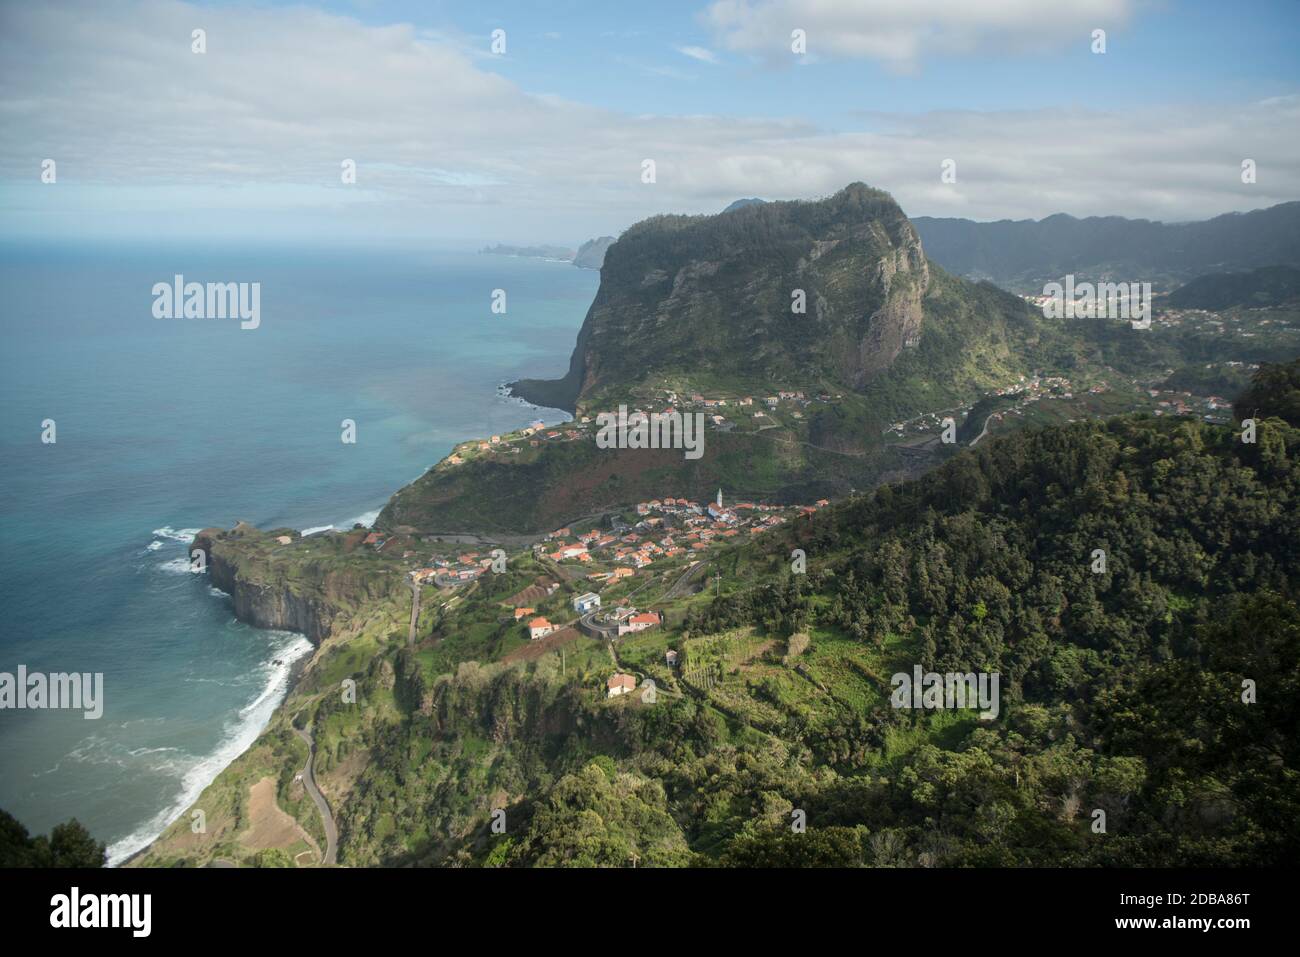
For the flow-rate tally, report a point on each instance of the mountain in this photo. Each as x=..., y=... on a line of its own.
x=742, y=203
x=1266, y=286
x=712, y=296
x=591, y=254
x=702, y=306
x=1023, y=254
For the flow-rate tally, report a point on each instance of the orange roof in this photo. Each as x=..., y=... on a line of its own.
x=520, y=612
x=621, y=681
x=539, y=623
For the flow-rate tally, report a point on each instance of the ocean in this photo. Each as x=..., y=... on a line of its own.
x=165, y=426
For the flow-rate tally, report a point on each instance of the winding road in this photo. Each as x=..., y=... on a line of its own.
x=327, y=817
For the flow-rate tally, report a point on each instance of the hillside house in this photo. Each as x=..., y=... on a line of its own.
x=639, y=622
x=619, y=684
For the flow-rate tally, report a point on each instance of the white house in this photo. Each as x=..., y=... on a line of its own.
x=641, y=622
x=585, y=603
x=620, y=684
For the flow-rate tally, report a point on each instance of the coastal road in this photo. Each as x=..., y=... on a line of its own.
x=327, y=817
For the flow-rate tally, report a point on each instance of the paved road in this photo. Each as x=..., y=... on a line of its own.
x=327, y=817
x=690, y=573
x=995, y=415
x=415, y=610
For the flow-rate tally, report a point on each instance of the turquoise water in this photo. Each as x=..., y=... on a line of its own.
x=167, y=426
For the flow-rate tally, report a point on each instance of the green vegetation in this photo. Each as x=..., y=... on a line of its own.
x=1274, y=391
x=69, y=845
x=1266, y=286
x=1121, y=690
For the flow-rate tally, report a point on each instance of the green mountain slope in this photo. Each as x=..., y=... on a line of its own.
x=1266, y=286
x=703, y=305
x=1121, y=688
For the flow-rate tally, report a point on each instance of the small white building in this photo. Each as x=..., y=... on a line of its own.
x=585, y=603
x=620, y=684
x=641, y=622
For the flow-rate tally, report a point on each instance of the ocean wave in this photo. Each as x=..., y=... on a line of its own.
x=155, y=545
x=179, y=566
x=176, y=535
x=240, y=735
x=365, y=518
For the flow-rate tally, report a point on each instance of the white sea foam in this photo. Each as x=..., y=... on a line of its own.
x=155, y=545
x=365, y=518
x=181, y=535
x=239, y=736
x=179, y=566
x=317, y=530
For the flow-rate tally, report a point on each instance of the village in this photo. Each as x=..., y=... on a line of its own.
x=722, y=413
x=595, y=572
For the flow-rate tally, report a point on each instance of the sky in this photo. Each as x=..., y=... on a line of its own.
x=544, y=136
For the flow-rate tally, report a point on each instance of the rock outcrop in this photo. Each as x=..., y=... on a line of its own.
x=289, y=590
x=828, y=291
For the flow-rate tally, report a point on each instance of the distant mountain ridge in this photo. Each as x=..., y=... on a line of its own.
x=1019, y=254
x=529, y=252
x=1267, y=286
x=591, y=254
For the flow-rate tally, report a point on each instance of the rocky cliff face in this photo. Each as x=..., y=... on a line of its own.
x=286, y=591
x=591, y=254
x=794, y=292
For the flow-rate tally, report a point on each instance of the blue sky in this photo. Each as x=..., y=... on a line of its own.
x=625, y=56
x=546, y=142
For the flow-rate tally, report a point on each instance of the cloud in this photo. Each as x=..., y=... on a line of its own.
x=259, y=125
x=900, y=34
x=702, y=54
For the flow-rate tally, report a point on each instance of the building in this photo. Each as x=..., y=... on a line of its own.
x=670, y=658
x=619, y=684
x=524, y=612
x=585, y=603
x=539, y=628
x=641, y=622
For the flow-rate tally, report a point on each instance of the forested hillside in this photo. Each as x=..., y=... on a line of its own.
x=1122, y=690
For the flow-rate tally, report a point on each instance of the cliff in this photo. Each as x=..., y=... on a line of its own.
x=303, y=585
x=828, y=291
x=591, y=254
